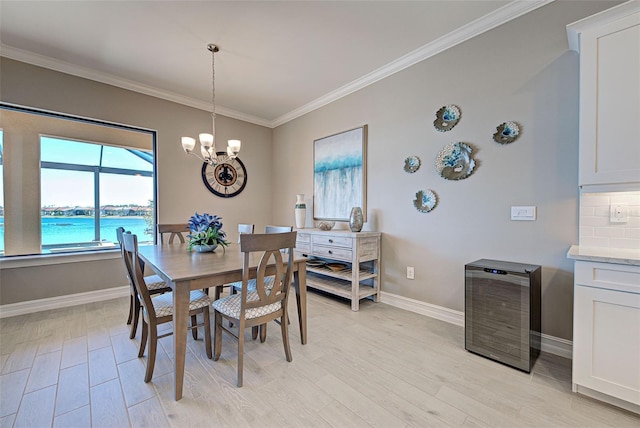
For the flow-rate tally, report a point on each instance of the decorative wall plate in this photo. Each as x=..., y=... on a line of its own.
x=454, y=161
x=412, y=164
x=425, y=201
x=506, y=133
x=447, y=117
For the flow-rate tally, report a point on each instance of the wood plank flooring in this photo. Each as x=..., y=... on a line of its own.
x=380, y=367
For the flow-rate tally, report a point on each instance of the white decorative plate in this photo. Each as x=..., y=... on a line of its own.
x=454, y=161
x=447, y=117
x=412, y=164
x=425, y=201
x=506, y=133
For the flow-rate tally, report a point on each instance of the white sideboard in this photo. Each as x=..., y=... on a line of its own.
x=359, y=251
x=609, y=47
x=606, y=333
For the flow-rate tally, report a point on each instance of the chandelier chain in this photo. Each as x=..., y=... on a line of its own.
x=213, y=97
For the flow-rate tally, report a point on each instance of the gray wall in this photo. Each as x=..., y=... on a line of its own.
x=521, y=71
x=180, y=188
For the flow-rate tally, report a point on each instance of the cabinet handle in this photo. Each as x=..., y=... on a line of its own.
x=331, y=241
x=330, y=252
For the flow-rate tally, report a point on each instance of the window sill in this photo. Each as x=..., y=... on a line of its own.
x=12, y=262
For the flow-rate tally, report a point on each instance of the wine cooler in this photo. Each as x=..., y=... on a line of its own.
x=502, y=311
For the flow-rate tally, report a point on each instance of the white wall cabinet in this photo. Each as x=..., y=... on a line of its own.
x=609, y=47
x=360, y=253
x=606, y=333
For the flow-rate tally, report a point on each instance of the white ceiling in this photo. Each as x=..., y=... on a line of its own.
x=277, y=59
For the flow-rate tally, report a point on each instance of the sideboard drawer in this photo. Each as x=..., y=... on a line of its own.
x=334, y=241
x=332, y=252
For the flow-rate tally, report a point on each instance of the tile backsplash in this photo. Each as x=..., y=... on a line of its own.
x=595, y=228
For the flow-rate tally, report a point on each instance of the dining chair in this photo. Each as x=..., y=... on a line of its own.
x=155, y=284
x=159, y=309
x=253, y=308
x=174, y=231
x=268, y=281
x=244, y=228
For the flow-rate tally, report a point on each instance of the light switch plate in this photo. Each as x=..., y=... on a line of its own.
x=523, y=213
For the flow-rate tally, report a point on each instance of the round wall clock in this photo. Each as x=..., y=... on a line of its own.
x=226, y=179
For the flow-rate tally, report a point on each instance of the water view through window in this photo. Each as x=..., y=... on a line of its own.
x=87, y=191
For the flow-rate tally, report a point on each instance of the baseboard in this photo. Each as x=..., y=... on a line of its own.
x=549, y=344
x=31, y=306
x=423, y=308
x=556, y=346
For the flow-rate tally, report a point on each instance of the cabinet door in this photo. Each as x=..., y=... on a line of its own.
x=610, y=103
x=606, y=342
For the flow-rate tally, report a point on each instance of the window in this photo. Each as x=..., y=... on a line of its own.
x=88, y=190
x=85, y=187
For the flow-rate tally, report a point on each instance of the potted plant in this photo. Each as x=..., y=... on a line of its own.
x=205, y=233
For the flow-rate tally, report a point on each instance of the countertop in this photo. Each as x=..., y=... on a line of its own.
x=605, y=255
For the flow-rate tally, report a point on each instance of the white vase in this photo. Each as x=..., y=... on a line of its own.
x=300, y=211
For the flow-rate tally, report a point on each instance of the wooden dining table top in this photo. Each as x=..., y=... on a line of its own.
x=174, y=263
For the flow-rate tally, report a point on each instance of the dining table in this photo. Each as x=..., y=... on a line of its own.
x=184, y=271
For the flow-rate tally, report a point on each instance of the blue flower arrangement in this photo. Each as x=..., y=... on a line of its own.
x=206, y=229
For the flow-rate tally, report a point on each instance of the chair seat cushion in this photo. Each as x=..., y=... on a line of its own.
x=154, y=282
x=163, y=303
x=251, y=284
x=230, y=306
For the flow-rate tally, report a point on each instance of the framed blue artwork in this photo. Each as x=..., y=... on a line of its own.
x=339, y=175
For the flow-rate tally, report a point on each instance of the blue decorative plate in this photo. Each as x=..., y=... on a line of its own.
x=454, y=161
x=412, y=164
x=506, y=133
x=447, y=117
x=425, y=201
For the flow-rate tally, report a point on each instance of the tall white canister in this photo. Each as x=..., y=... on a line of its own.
x=301, y=211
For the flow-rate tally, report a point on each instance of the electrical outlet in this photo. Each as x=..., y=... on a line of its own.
x=618, y=213
x=410, y=272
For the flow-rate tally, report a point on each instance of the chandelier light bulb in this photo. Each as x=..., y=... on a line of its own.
x=206, y=154
x=234, y=145
x=206, y=140
x=188, y=144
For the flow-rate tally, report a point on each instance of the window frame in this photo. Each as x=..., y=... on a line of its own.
x=145, y=135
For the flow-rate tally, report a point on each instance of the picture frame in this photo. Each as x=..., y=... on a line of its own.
x=340, y=175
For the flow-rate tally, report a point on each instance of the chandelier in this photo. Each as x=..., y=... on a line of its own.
x=208, y=141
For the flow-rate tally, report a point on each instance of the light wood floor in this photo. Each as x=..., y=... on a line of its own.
x=382, y=366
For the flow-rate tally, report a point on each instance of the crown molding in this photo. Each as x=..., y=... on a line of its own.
x=481, y=25
x=87, y=73
x=617, y=12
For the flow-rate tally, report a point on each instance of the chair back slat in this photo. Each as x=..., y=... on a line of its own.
x=174, y=231
x=244, y=228
x=271, y=245
x=277, y=229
